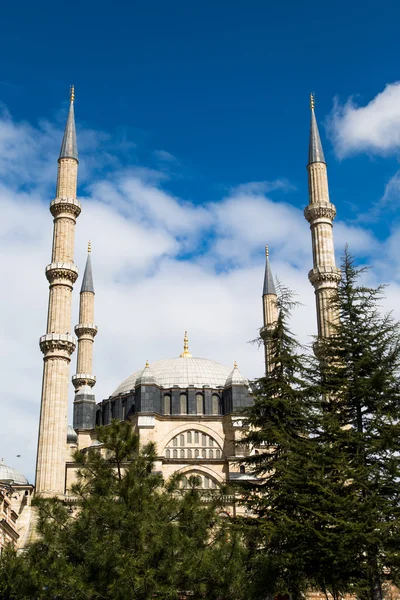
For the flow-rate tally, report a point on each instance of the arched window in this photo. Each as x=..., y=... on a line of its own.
x=167, y=404
x=215, y=404
x=183, y=404
x=204, y=446
x=175, y=454
x=199, y=404
x=242, y=469
x=204, y=481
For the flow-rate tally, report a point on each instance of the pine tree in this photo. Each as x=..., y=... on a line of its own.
x=358, y=379
x=129, y=534
x=280, y=430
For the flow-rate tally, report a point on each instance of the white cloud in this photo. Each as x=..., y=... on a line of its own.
x=146, y=293
x=373, y=128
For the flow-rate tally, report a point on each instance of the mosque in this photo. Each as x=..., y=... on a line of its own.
x=189, y=406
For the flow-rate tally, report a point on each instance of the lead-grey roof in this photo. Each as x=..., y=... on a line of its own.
x=69, y=148
x=181, y=372
x=72, y=436
x=315, y=152
x=9, y=474
x=87, y=281
x=269, y=285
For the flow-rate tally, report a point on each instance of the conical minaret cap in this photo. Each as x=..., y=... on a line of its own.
x=269, y=285
x=69, y=148
x=87, y=281
x=315, y=152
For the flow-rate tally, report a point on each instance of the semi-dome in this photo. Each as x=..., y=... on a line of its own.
x=181, y=372
x=9, y=474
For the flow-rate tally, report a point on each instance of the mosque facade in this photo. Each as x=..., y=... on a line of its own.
x=190, y=407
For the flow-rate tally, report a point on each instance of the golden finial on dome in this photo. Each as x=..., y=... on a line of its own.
x=72, y=93
x=266, y=251
x=147, y=366
x=185, y=353
x=312, y=100
x=89, y=246
x=235, y=366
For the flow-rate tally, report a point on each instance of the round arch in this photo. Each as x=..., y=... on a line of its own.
x=187, y=426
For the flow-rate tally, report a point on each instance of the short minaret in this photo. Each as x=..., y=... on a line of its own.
x=320, y=214
x=84, y=402
x=58, y=344
x=270, y=311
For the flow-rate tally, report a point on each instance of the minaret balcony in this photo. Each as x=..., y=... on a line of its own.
x=61, y=272
x=57, y=344
x=65, y=207
x=322, y=210
x=328, y=276
x=85, y=329
x=81, y=379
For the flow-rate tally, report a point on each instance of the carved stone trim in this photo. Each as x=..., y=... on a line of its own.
x=60, y=271
x=85, y=329
x=323, y=210
x=81, y=379
x=324, y=275
x=71, y=206
x=53, y=343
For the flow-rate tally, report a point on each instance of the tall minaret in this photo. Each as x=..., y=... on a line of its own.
x=320, y=214
x=270, y=311
x=84, y=402
x=58, y=344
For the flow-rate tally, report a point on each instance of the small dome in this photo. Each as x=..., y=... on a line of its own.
x=12, y=475
x=95, y=443
x=146, y=376
x=72, y=436
x=236, y=378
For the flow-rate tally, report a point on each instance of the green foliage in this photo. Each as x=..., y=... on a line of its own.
x=358, y=379
x=280, y=425
x=128, y=535
x=327, y=433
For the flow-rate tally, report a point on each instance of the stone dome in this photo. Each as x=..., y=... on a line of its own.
x=9, y=474
x=72, y=436
x=181, y=372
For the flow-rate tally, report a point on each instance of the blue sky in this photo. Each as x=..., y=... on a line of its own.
x=193, y=123
x=223, y=86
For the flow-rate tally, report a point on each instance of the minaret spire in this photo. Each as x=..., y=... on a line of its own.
x=83, y=380
x=58, y=344
x=320, y=213
x=315, y=152
x=69, y=147
x=270, y=311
